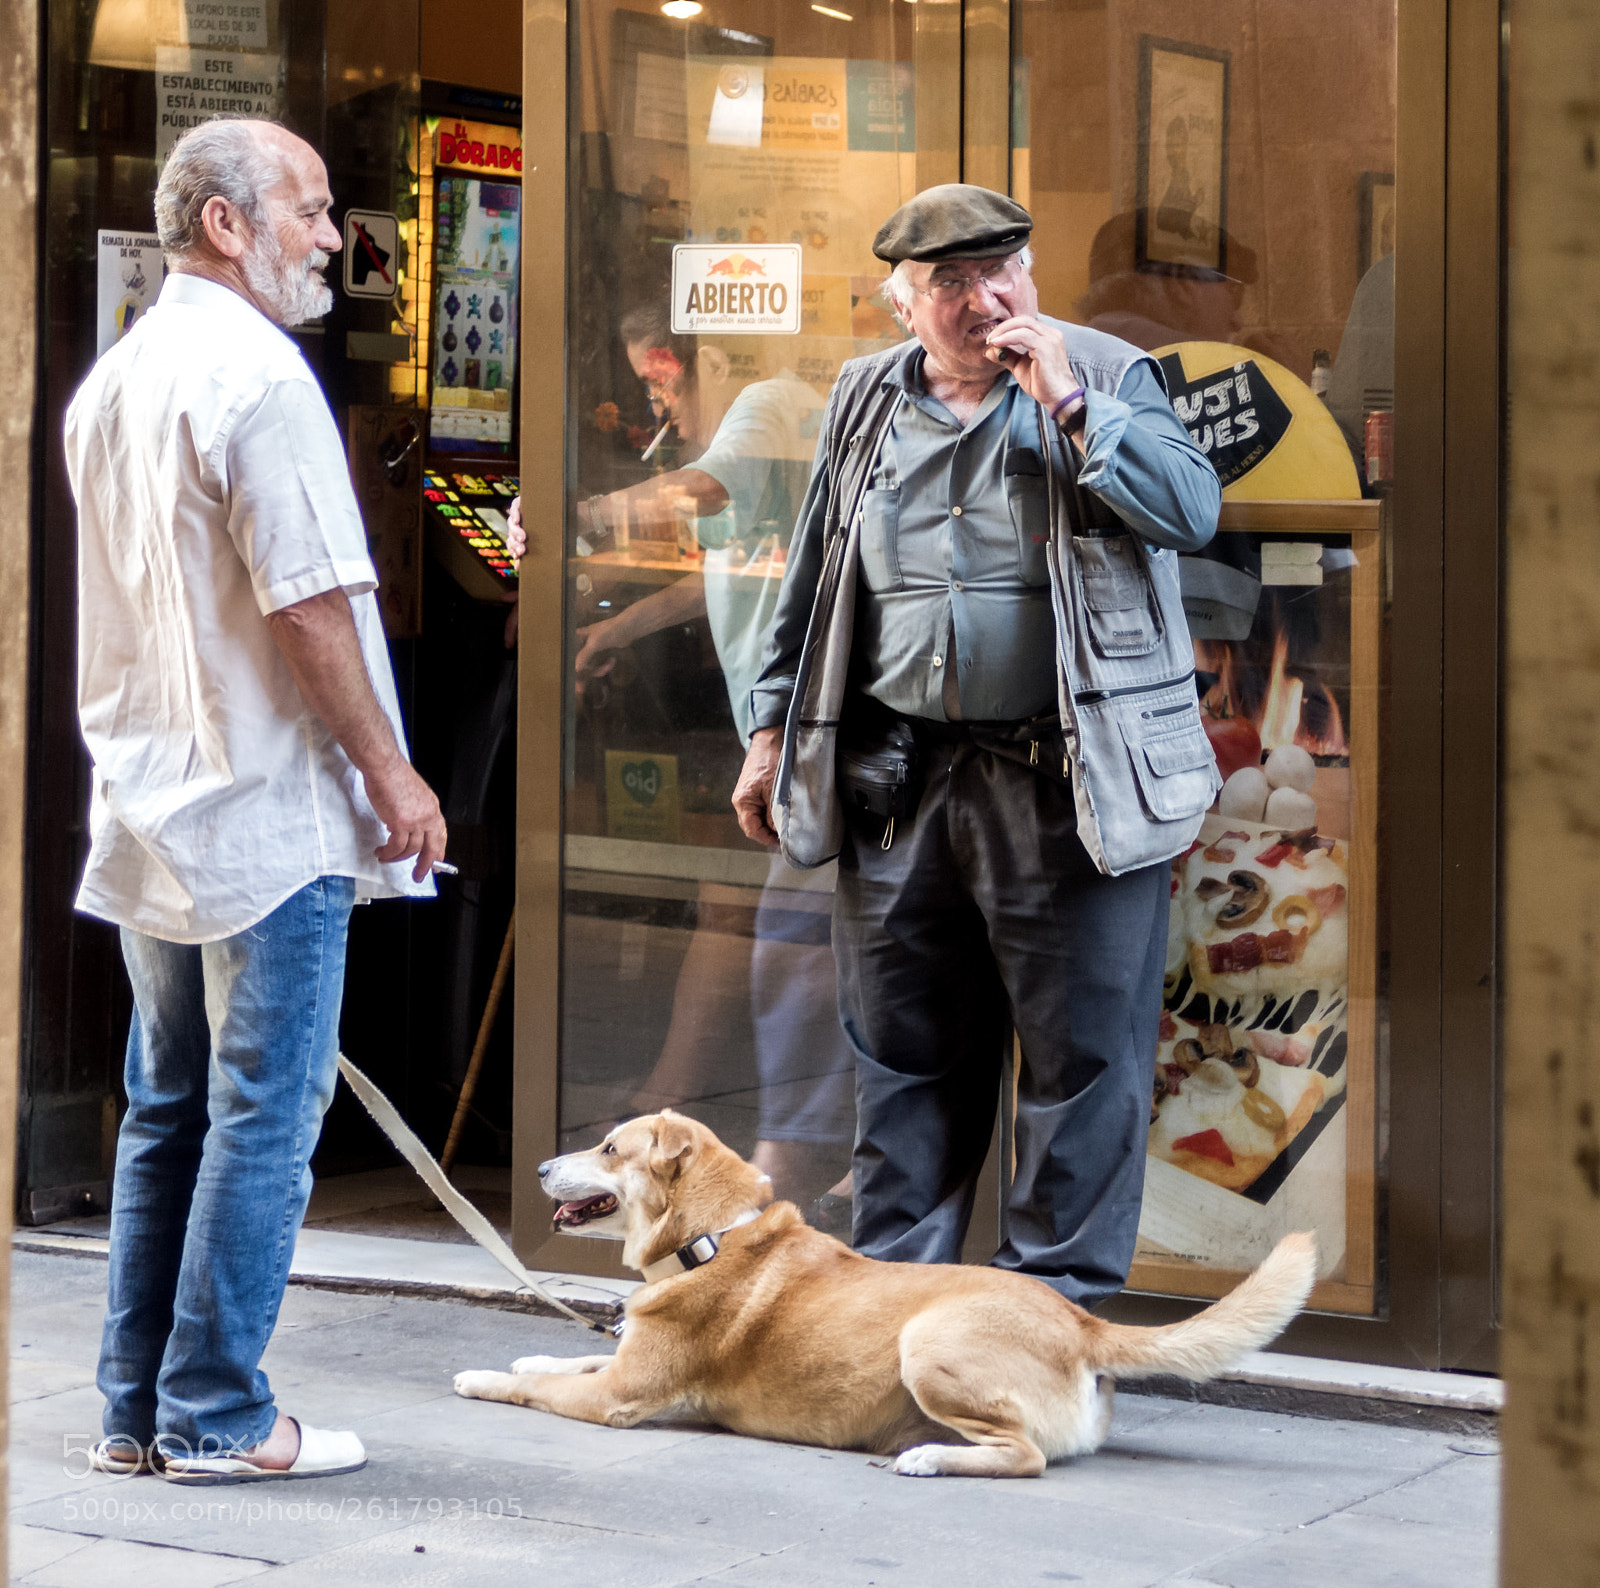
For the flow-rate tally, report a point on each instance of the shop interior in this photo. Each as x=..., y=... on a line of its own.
x=1216, y=187
x=417, y=110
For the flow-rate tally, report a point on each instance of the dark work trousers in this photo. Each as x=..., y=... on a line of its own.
x=986, y=910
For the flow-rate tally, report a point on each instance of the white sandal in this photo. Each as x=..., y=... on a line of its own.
x=324, y=1453
x=122, y=1456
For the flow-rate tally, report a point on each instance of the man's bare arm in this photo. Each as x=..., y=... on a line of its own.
x=318, y=640
x=680, y=602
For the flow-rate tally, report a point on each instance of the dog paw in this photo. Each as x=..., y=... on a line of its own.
x=476, y=1386
x=542, y=1364
x=920, y=1461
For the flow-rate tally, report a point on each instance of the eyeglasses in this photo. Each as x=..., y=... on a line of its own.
x=995, y=275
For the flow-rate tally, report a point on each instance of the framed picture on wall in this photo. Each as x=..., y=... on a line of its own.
x=1377, y=218
x=1182, y=210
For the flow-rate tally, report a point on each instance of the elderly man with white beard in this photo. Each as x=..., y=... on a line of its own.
x=251, y=784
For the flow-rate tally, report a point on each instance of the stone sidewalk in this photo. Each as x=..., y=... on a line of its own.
x=464, y=1492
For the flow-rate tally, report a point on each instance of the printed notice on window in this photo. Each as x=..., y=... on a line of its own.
x=226, y=24
x=751, y=291
x=129, y=273
x=194, y=85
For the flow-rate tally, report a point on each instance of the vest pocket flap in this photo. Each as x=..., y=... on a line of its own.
x=1119, y=600
x=1112, y=578
x=1112, y=592
x=1178, y=752
x=1175, y=770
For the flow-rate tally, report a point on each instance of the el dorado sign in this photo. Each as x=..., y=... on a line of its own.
x=751, y=291
x=476, y=146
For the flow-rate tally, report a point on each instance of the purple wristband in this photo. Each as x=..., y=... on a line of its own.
x=1071, y=397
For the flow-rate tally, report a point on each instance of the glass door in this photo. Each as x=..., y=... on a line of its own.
x=730, y=170
x=1215, y=184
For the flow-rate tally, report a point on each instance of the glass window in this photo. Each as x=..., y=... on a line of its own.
x=732, y=173
x=1216, y=185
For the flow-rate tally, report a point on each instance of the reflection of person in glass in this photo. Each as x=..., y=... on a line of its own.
x=1154, y=305
x=982, y=906
x=745, y=486
x=1175, y=213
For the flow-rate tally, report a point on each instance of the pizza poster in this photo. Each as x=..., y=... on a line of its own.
x=1248, y=1119
x=128, y=274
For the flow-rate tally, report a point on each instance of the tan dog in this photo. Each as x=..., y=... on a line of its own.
x=785, y=1333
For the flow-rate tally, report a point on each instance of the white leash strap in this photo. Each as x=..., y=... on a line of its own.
x=462, y=1211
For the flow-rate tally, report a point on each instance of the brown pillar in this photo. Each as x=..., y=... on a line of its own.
x=19, y=165
x=1551, y=869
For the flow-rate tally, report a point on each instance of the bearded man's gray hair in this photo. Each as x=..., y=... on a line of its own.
x=225, y=158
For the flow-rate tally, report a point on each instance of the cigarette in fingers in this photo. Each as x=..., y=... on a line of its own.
x=445, y=869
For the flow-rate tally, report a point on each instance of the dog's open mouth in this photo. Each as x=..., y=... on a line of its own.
x=570, y=1215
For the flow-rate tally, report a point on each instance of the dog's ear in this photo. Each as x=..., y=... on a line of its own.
x=674, y=1143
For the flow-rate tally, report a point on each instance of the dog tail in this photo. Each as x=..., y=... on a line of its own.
x=1247, y=1318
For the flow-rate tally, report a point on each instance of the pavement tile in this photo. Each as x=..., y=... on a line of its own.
x=114, y=1560
x=275, y=1522
x=512, y=1433
x=1136, y=1411
x=1464, y=1493
x=49, y=1436
x=509, y=1552
x=35, y=1374
x=1252, y=1470
x=305, y=1308
x=1369, y=1551
x=820, y=1513
x=29, y=1548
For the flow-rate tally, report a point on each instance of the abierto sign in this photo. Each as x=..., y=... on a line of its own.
x=754, y=291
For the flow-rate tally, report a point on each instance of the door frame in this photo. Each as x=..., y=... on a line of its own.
x=1438, y=1198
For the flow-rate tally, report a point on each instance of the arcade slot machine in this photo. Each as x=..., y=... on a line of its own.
x=471, y=213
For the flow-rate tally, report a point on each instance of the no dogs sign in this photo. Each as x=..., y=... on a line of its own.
x=371, y=253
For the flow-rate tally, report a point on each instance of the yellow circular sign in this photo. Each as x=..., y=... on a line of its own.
x=1268, y=435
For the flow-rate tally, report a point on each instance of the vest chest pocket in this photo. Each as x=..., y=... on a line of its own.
x=1117, y=595
x=880, y=539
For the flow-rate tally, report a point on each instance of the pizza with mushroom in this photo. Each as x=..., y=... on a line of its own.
x=1252, y=1039
x=1266, y=911
x=1228, y=1100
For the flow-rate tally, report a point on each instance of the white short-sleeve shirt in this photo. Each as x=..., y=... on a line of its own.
x=212, y=490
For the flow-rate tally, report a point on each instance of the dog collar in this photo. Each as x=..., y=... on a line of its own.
x=696, y=1253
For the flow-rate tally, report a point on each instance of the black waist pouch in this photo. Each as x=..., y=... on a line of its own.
x=877, y=766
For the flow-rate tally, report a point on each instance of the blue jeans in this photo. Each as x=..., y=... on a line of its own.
x=232, y=1059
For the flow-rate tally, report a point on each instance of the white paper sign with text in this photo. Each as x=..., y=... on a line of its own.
x=194, y=85
x=129, y=273
x=751, y=291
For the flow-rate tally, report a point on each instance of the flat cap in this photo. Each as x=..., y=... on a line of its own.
x=953, y=221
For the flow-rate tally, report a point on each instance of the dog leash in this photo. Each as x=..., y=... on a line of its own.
x=401, y=1136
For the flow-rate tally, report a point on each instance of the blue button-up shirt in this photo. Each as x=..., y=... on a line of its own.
x=954, y=534
x=975, y=583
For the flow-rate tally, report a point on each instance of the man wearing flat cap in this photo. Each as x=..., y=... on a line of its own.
x=978, y=691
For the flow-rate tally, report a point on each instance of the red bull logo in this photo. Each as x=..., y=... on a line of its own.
x=737, y=266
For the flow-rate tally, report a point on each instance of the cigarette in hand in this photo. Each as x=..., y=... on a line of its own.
x=445, y=869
